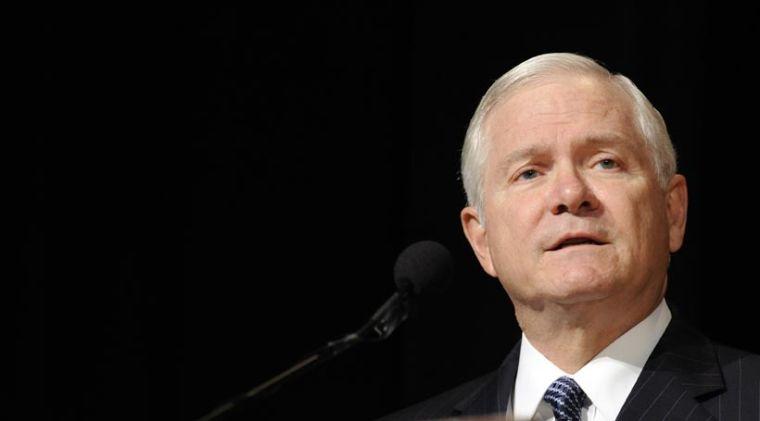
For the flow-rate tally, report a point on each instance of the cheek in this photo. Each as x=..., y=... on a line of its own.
x=511, y=230
x=645, y=224
x=515, y=219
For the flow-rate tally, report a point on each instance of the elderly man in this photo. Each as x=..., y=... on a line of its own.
x=574, y=204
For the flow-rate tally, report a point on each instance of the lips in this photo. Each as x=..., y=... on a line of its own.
x=574, y=239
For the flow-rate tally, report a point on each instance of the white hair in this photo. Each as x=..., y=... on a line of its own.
x=648, y=120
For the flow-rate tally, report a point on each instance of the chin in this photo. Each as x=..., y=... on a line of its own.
x=576, y=286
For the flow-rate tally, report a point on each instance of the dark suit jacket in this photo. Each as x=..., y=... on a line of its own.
x=687, y=377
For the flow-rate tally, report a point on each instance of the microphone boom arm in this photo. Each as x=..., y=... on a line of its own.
x=379, y=327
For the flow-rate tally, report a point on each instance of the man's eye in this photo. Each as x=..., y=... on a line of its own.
x=608, y=164
x=528, y=174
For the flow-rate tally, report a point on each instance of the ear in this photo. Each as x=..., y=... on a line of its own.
x=478, y=238
x=677, y=201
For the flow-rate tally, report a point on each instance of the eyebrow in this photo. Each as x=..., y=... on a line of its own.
x=610, y=139
x=521, y=154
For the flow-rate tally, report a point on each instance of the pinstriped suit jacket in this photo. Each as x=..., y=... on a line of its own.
x=687, y=377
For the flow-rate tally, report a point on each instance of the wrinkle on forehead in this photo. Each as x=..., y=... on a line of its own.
x=563, y=118
x=593, y=96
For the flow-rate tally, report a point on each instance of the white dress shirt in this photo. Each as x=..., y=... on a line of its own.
x=607, y=379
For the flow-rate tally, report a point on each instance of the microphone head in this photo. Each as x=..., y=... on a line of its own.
x=423, y=265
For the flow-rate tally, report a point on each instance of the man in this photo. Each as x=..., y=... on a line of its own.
x=574, y=204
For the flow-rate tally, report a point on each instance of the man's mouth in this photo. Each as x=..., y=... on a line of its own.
x=576, y=241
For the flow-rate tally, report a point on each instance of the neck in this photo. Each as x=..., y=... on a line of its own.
x=571, y=335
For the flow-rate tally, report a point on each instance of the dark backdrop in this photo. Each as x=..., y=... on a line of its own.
x=209, y=194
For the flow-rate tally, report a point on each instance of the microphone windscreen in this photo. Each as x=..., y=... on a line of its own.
x=423, y=265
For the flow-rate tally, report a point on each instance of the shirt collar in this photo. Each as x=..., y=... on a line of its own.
x=607, y=379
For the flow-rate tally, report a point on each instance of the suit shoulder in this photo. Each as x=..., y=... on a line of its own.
x=737, y=363
x=441, y=405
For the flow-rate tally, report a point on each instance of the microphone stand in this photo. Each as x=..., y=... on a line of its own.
x=379, y=327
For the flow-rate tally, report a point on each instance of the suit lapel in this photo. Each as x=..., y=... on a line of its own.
x=682, y=368
x=493, y=396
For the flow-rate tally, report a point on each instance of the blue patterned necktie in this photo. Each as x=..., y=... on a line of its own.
x=566, y=399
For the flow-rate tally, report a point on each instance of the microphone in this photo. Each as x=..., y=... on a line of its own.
x=422, y=266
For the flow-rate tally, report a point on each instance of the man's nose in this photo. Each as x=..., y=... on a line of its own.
x=571, y=193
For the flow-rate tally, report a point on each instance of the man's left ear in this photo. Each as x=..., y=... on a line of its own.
x=677, y=201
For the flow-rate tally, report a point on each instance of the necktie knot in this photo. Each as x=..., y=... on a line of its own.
x=566, y=399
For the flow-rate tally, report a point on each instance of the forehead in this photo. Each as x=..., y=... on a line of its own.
x=561, y=108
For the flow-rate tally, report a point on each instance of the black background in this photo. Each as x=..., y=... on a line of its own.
x=209, y=194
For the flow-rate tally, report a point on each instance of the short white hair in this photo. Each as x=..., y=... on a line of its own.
x=650, y=123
